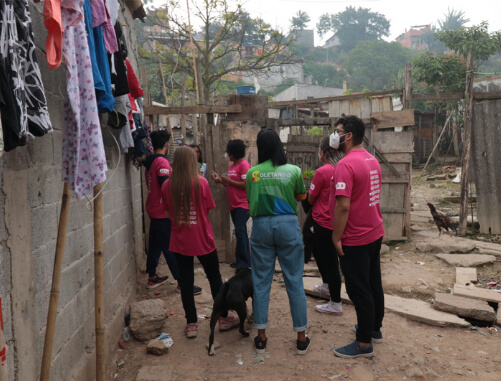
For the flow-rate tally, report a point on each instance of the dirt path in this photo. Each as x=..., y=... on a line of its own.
x=409, y=351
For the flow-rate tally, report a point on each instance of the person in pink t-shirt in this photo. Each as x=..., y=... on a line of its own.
x=324, y=251
x=358, y=233
x=234, y=181
x=188, y=202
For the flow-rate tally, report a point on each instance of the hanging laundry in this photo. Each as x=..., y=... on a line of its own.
x=119, y=77
x=113, y=7
x=101, y=17
x=54, y=24
x=99, y=60
x=23, y=105
x=134, y=85
x=84, y=160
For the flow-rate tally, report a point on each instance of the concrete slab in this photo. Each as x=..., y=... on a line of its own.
x=154, y=373
x=422, y=312
x=309, y=289
x=444, y=244
x=466, y=275
x=493, y=248
x=415, y=310
x=477, y=293
x=464, y=307
x=467, y=260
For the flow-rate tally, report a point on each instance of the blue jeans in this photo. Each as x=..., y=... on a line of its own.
x=272, y=237
x=239, y=216
x=159, y=240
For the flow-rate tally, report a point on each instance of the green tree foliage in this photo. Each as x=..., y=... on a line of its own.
x=375, y=64
x=354, y=25
x=475, y=40
x=229, y=41
x=325, y=74
x=300, y=20
x=439, y=72
x=453, y=20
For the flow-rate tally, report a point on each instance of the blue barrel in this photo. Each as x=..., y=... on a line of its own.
x=246, y=90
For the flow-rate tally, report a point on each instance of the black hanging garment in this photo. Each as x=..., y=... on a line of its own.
x=23, y=106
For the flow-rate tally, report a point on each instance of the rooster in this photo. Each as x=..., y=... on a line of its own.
x=441, y=221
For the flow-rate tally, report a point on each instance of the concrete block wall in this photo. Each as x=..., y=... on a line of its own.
x=30, y=205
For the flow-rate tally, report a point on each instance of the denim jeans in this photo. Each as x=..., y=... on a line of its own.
x=239, y=216
x=362, y=274
x=210, y=263
x=272, y=237
x=159, y=241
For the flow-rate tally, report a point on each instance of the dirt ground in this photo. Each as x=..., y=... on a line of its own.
x=410, y=350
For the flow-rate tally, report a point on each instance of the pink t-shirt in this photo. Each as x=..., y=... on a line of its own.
x=238, y=196
x=358, y=176
x=159, y=167
x=320, y=188
x=198, y=238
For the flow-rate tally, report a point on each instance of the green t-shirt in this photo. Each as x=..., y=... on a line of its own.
x=271, y=190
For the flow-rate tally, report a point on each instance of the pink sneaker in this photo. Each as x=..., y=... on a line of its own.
x=191, y=330
x=228, y=322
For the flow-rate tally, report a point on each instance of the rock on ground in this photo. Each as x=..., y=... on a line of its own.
x=467, y=260
x=147, y=318
x=157, y=347
x=465, y=307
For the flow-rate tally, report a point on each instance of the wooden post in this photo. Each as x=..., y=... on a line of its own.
x=465, y=160
x=164, y=87
x=183, y=117
x=56, y=282
x=4, y=373
x=98, y=282
x=408, y=87
x=194, y=123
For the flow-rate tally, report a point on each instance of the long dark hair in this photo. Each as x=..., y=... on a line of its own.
x=269, y=147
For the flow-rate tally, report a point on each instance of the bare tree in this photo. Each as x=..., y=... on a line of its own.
x=226, y=41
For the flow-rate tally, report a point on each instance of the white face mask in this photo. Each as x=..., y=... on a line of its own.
x=226, y=157
x=334, y=140
x=319, y=156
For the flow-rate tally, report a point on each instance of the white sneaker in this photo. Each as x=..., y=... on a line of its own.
x=323, y=288
x=332, y=308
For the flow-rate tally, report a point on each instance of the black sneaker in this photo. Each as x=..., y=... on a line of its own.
x=196, y=290
x=376, y=336
x=155, y=281
x=303, y=346
x=260, y=345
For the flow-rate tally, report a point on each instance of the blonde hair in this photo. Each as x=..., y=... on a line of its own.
x=184, y=177
x=332, y=155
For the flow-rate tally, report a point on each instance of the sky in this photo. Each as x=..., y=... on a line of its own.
x=403, y=14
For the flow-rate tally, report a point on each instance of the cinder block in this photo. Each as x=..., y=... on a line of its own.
x=43, y=225
x=79, y=244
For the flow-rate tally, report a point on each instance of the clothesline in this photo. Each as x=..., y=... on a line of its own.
x=87, y=38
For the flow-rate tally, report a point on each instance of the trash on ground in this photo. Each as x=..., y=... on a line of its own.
x=165, y=337
x=126, y=335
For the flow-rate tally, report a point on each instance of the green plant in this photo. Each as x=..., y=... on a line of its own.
x=308, y=173
x=316, y=131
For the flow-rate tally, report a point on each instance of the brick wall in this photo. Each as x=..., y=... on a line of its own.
x=30, y=202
